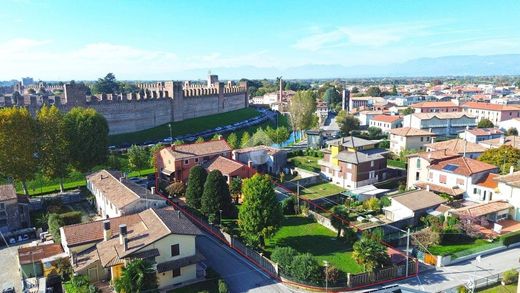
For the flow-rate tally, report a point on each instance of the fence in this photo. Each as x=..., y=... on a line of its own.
x=477, y=284
x=382, y=275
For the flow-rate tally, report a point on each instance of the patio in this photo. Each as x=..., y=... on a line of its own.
x=508, y=226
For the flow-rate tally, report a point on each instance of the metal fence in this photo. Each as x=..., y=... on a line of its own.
x=474, y=285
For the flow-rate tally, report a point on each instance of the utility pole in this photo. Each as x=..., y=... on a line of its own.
x=407, y=250
x=326, y=275
x=170, y=127
x=298, y=195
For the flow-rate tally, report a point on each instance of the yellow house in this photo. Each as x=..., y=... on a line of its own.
x=163, y=237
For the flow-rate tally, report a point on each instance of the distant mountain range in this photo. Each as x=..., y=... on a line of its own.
x=465, y=65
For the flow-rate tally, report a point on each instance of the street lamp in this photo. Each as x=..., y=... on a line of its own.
x=170, y=127
x=326, y=263
x=220, y=220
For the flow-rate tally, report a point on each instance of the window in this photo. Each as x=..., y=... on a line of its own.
x=460, y=181
x=196, y=160
x=418, y=163
x=175, y=250
x=442, y=179
x=372, y=174
x=186, y=162
x=2, y=206
x=431, y=175
x=417, y=174
x=422, y=139
x=176, y=272
x=371, y=163
x=349, y=165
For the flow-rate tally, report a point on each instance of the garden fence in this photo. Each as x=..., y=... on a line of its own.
x=477, y=284
x=356, y=280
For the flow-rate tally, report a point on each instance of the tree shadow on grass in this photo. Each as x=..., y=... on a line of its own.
x=314, y=244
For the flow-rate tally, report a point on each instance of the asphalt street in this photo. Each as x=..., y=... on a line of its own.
x=240, y=275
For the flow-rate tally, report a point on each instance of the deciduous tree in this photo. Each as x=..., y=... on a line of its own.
x=302, y=107
x=245, y=140
x=485, y=123
x=18, y=145
x=260, y=214
x=235, y=188
x=232, y=140
x=503, y=157
x=176, y=189
x=408, y=111
x=347, y=122
x=87, y=133
x=138, y=158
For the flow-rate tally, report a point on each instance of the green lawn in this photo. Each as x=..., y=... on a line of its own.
x=500, y=289
x=396, y=163
x=184, y=127
x=305, y=235
x=454, y=248
x=306, y=162
x=320, y=190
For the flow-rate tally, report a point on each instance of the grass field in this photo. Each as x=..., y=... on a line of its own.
x=320, y=190
x=500, y=289
x=184, y=127
x=306, y=162
x=454, y=248
x=305, y=235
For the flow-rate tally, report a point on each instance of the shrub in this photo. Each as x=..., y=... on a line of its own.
x=70, y=218
x=385, y=201
x=284, y=257
x=510, y=277
x=288, y=206
x=305, y=268
x=462, y=289
x=332, y=274
x=512, y=238
x=54, y=223
x=222, y=286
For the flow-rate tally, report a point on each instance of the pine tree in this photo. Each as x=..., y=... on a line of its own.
x=195, y=188
x=246, y=140
x=232, y=140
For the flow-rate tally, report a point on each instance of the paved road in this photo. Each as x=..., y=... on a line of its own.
x=9, y=274
x=240, y=275
x=461, y=273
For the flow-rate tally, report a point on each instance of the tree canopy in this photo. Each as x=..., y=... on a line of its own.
x=18, y=144
x=138, y=158
x=302, y=107
x=347, y=122
x=370, y=253
x=216, y=197
x=232, y=140
x=138, y=276
x=87, y=133
x=373, y=91
x=106, y=85
x=54, y=146
x=332, y=97
x=408, y=111
x=485, y=123
x=195, y=187
x=503, y=157
x=260, y=214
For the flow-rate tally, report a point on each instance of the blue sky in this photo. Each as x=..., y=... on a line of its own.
x=162, y=39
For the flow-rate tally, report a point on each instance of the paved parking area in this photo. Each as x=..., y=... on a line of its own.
x=10, y=274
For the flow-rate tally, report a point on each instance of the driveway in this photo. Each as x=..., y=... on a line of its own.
x=458, y=274
x=240, y=274
x=10, y=274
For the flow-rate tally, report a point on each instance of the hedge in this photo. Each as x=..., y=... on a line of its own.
x=70, y=218
x=512, y=238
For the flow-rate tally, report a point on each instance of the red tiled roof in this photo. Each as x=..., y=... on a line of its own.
x=463, y=166
x=457, y=145
x=436, y=155
x=439, y=188
x=199, y=149
x=224, y=165
x=485, y=131
x=433, y=105
x=489, y=181
x=30, y=254
x=408, y=131
x=513, y=141
x=386, y=118
x=490, y=107
x=483, y=209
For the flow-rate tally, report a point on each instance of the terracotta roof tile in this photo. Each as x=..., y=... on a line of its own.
x=418, y=200
x=439, y=188
x=513, y=141
x=457, y=145
x=463, y=166
x=386, y=118
x=489, y=181
x=433, y=105
x=510, y=179
x=485, y=131
x=224, y=165
x=31, y=254
x=489, y=107
x=408, y=131
x=199, y=149
x=483, y=209
x=442, y=115
x=436, y=155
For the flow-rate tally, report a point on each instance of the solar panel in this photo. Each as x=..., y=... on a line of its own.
x=450, y=167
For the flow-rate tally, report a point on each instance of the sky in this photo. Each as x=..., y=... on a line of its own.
x=64, y=40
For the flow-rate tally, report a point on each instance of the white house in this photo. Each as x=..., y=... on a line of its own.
x=412, y=206
x=407, y=138
x=509, y=190
x=117, y=196
x=508, y=124
x=444, y=124
x=386, y=122
x=459, y=146
x=479, y=134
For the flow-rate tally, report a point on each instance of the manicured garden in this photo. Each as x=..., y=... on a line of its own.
x=500, y=289
x=320, y=190
x=305, y=235
x=308, y=163
x=456, y=248
x=184, y=127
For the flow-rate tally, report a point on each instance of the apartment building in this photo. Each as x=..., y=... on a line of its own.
x=386, y=122
x=442, y=124
x=407, y=138
x=494, y=113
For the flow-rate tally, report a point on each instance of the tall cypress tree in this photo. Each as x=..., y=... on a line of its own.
x=195, y=188
x=216, y=196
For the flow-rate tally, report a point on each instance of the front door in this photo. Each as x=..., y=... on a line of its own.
x=92, y=275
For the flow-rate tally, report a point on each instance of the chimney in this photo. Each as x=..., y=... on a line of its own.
x=428, y=187
x=433, y=139
x=125, y=244
x=73, y=259
x=511, y=170
x=107, y=233
x=250, y=164
x=152, y=189
x=122, y=234
x=178, y=214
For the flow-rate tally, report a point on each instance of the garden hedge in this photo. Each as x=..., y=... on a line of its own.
x=512, y=238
